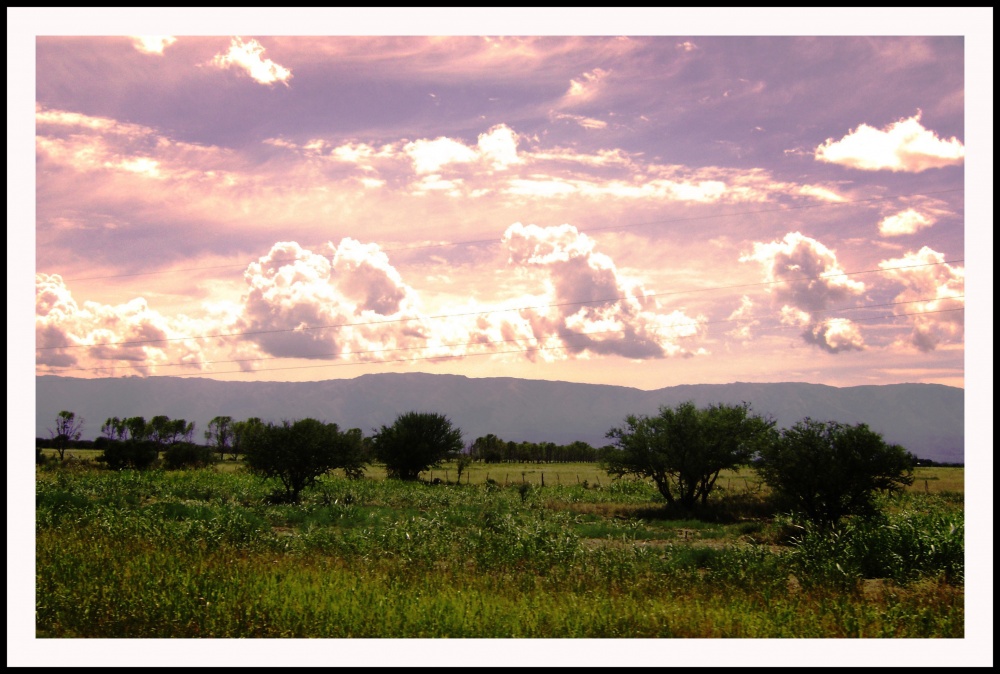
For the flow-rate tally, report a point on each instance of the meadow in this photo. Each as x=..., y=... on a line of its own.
x=208, y=553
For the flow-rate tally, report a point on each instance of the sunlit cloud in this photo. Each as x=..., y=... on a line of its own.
x=805, y=279
x=586, y=87
x=904, y=145
x=909, y=221
x=933, y=292
x=249, y=56
x=152, y=44
x=593, y=308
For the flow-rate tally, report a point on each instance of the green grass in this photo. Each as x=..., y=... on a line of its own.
x=202, y=553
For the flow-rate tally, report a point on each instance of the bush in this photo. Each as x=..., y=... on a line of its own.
x=187, y=455
x=136, y=454
x=416, y=441
x=298, y=453
x=828, y=470
x=684, y=448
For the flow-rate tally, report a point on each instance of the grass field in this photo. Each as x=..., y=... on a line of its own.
x=202, y=553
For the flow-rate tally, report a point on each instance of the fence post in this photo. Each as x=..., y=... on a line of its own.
x=543, y=479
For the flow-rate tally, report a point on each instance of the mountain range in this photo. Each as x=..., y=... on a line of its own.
x=927, y=419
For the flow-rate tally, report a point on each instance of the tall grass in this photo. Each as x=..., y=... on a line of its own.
x=203, y=554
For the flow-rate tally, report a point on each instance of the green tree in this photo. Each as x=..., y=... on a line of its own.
x=243, y=432
x=683, y=449
x=220, y=434
x=828, y=470
x=298, y=453
x=416, y=441
x=68, y=429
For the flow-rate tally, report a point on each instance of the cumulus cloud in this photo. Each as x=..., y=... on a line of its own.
x=249, y=56
x=904, y=145
x=152, y=44
x=111, y=338
x=909, y=221
x=497, y=148
x=806, y=279
x=592, y=308
x=933, y=293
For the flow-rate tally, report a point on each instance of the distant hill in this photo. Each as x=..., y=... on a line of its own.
x=927, y=419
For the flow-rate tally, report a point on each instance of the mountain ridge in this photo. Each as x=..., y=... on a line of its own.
x=927, y=419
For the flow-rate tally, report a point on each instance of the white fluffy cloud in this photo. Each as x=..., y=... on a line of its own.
x=497, y=148
x=591, y=307
x=128, y=337
x=933, y=294
x=249, y=56
x=152, y=44
x=806, y=279
x=905, y=222
x=904, y=145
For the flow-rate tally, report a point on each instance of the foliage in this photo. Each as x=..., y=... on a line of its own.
x=298, y=453
x=68, y=429
x=200, y=553
x=416, y=441
x=828, y=470
x=684, y=448
x=220, y=434
x=187, y=455
x=131, y=453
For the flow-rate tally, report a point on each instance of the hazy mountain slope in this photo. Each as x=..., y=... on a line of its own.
x=928, y=419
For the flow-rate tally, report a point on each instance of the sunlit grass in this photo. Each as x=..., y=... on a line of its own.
x=202, y=553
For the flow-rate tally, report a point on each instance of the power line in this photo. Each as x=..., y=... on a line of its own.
x=748, y=319
x=485, y=353
x=488, y=311
x=494, y=240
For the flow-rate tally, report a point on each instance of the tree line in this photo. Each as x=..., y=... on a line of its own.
x=823, y=469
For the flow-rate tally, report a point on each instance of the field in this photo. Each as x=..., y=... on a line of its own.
x=204, y=553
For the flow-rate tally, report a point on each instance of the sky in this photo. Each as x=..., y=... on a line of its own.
x=644, y=198
x=644, y=211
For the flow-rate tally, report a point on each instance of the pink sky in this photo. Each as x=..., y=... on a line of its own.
x=646, y=211
x=699, y=207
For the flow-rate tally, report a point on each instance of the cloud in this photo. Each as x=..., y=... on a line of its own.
x=805, y=279
x=592, y=308
x=497, y=148
x=586, y=87
x=249, y=56
x=909, y=221
x=585, y=122
x=904, y=145
x=743, y=317
x=129, y=336
x=933, y=293
x=152, y=44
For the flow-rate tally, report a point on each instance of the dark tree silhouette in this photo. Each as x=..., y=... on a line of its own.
x=683, y=449
x=416, y=441
x=828, y=470
x=68, y=429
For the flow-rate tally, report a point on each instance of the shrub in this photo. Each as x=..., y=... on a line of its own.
x=136, y=454
x=828, y=470
x=187, y=455
x=416, y=441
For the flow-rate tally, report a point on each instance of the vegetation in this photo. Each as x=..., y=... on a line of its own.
x=202, y=553
x=415, y=442
x=828, y=470
x=67, y=430
x=297, y=453
x=684, y=448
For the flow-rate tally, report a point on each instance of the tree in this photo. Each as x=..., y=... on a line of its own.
x=220, y=434
x=416, y=441
x=828, y=470
x=298, y=453
x=68, y=429
x=683, y=449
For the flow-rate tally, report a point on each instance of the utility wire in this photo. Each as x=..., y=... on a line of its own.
x=473, y=242
x=487, y=311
